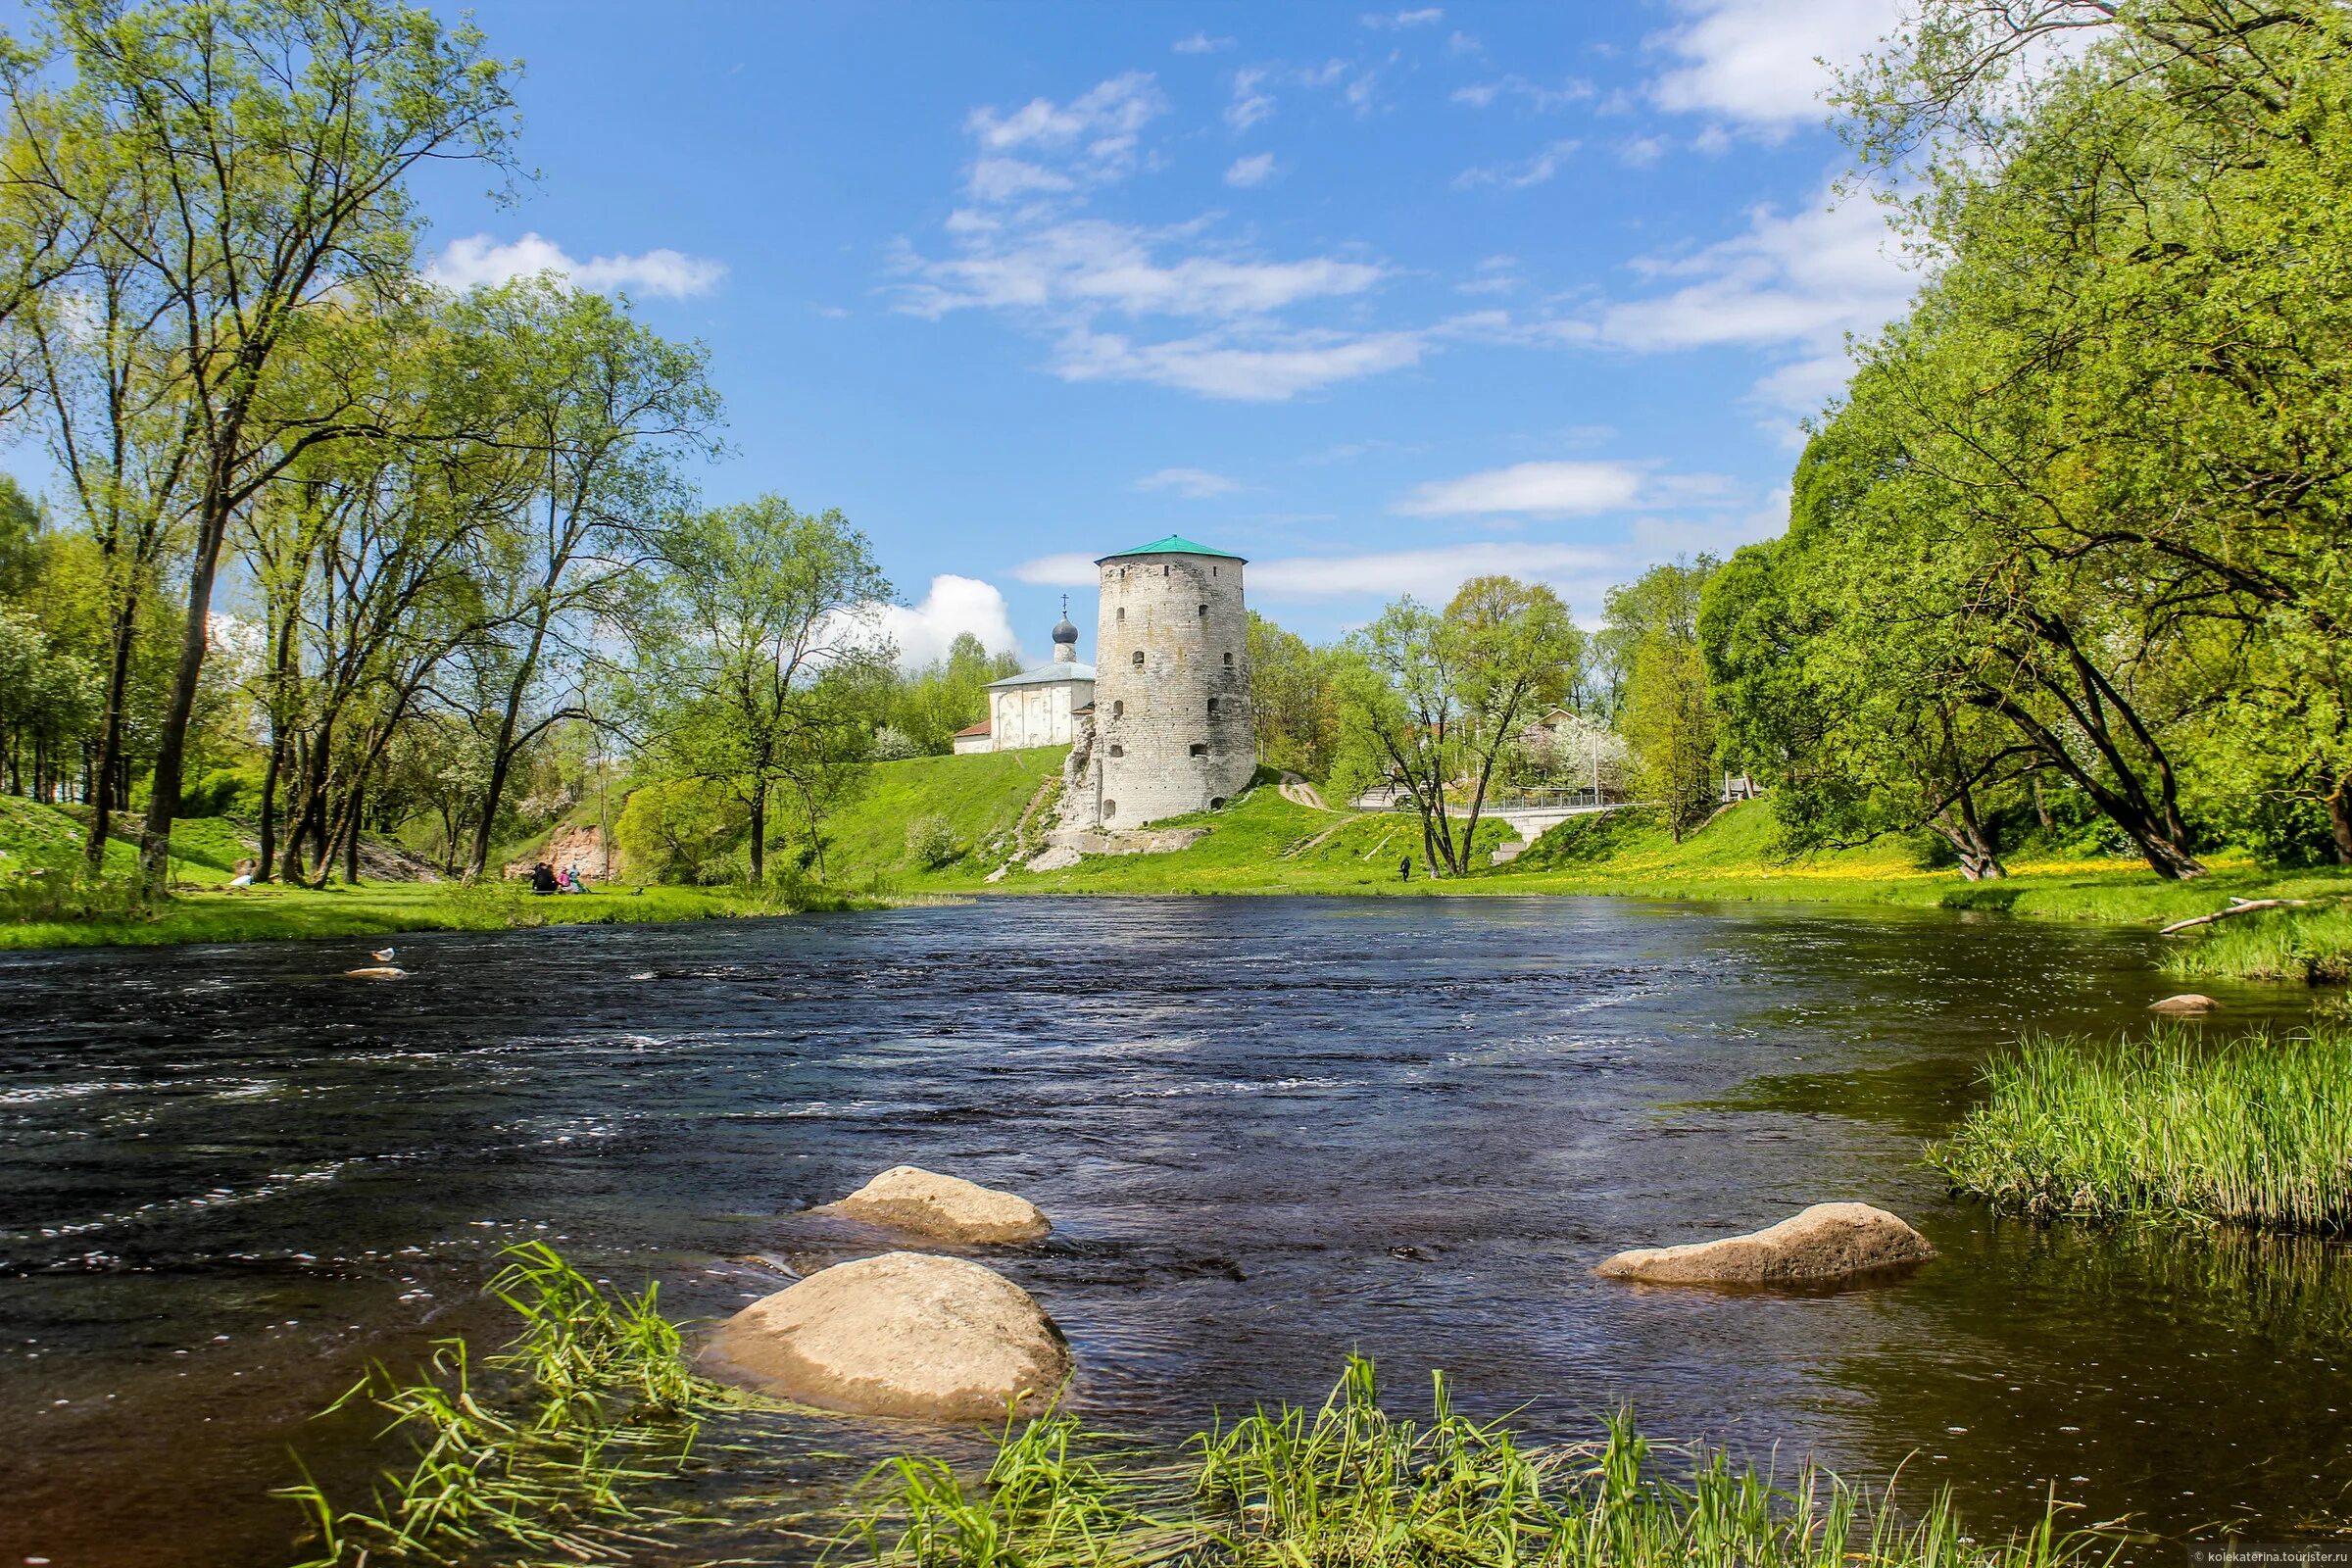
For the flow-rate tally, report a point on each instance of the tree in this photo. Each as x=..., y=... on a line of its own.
x=607, y=409
x=1649, y=636
x=274, y=137
x=1291, y=696
x=758, y=664
x=1439, y=698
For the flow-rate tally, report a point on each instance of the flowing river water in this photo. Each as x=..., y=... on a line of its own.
x=1269, y=1131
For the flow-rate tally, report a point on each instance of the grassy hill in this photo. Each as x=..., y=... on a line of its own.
x=205, y=849
x=979, y=800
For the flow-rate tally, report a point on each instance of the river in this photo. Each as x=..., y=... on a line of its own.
x=1268, y=1131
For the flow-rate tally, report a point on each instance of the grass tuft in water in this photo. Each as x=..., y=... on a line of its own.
x=589, y=1400
x=1349, y=1483
x=2256, y=1131
x=2313, y=946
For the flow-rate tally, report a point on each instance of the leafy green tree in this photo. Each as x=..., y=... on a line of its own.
x=278, y=137
x=1649, y=636
x=1292, y=697
x=1435, y=699
x=760, y=666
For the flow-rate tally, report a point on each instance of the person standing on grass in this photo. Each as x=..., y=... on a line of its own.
x=1404, y=869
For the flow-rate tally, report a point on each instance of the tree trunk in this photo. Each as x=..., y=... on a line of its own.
x=2339, y=818
x=267, y=849
x=171, y=752
x=110, y=732
x=759, y=832
x=351, y=834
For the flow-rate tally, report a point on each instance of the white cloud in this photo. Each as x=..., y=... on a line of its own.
x=1641, y=152
x=1244, y=366
x=1541, y=99
x=953, y=605
x=1001, y=179
x=1255, y=169
x=1533, y=489
x=1069, y=570
x=1759, y=62
x=1193, y=484
x=1201, y=43
x=1429, y=574
x=1117, y=108
x=1089, y=265
x=1403, y=19
x=479, y=260
x=1249, y=105
x=1518, y=177
x=1797, y=283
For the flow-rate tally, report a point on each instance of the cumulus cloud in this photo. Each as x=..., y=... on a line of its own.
x=1761, y=62
x=1797, y=283
x=1251, y=103
x=953, y=606
x=1560, y=489
x=479, y=260
x=1193, y=484
x=1255, y=169
x=1201, y=43
x=1520, y=175
x=1432, y=574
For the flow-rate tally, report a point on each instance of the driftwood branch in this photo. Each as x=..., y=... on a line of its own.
x=2238, y=905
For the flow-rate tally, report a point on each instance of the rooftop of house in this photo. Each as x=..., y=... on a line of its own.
x=1046, y=675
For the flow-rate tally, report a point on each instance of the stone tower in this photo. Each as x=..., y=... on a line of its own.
x=1173, y=731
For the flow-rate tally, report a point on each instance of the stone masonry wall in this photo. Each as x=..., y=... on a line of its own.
x=1173, y=730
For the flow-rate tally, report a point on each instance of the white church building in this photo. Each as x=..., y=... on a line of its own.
x=1039, y=707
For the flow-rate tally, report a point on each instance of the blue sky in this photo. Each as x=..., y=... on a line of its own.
x=1378, y=299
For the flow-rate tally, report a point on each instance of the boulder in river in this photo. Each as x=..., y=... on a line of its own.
x=1827, y=1241
x=904, y=1333
x=2187, y=1005
x=377, y=971
x=909, y=1198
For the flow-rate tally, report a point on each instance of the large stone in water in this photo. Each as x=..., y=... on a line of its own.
x=904, y=1334
x=2185, y=1004
x=909, y=1198
x=1827, y=1241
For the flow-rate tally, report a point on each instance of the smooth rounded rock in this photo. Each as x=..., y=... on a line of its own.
x=904, y=1333
x=1827, y=1241
x=2185, y=1004
x=909, y=1198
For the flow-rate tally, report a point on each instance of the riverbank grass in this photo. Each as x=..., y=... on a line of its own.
x=110, y=918
x=1350, y=1483
x=541, y=1452
x=2255, y=1131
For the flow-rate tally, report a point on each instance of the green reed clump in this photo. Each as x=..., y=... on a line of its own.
x=2255, y=1131
x=2313, y=946
x=591, y=1396
x=1349, y=1483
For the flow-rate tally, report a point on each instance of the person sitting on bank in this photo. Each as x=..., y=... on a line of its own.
x=542, y=878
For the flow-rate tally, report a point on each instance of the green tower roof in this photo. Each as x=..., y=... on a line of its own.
x=1172, y=545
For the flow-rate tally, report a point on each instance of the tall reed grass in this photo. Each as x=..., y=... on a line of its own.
x=1349, y=1483
x=2256, y=1131
x=540, y=1455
